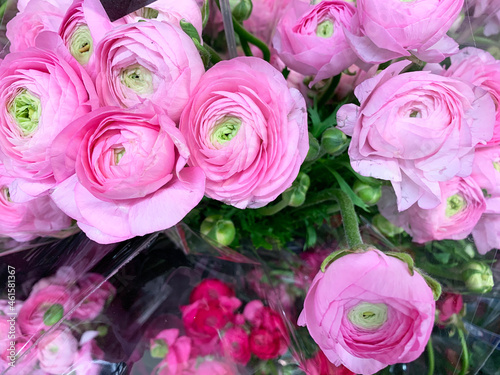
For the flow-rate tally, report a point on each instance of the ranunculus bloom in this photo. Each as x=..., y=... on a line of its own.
x=169, y=11
x=320, y=365
x=24, y=221
x=214, y=367
x=416, y=130
x=481, y=69
x=57, y=351
x=130, y=178
x=147, y=60
x=461, y=207
x=247, y=131
x=449, y=304
x=310, y=38
x=87, y=359
x=394, y=28
x=210, y=289
x=234, y=343
x=178, y=350
x=41, y=92
x=41, y=15
x=93, y=304
x=264, y=17
x=32, y=317
x=366, y=311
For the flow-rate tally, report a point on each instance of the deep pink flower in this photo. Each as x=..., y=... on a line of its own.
x=211, y=289
x=147, y=60
x=320, y=365
x=310, y=38
x=130, y=178
x=366, y=311
x=247, y=131
x=387, y=30
x=449, y=304
x=214, y=367
x=416, y=130
x=235, y=345
x=461, y=207
x=93, y=305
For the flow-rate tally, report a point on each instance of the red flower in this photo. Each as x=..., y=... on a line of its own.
x=211, y=289
x=235, y=345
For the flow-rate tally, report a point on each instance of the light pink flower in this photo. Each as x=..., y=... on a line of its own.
x=366, y=311
x=387, y=30
x=22, y=5
x=41, y=15
x=461, y=207
x=264, y=17
x=93, y=305
x=41, y=93
x=247, y=131
x=57, y=351
x=487, y=231
x=31, y=316
x=130, y=178
x=85, y=359
x=481, y=69
x=178, y=352
x=65, y=276
x=310, y=38
x=169, y=11
x=147, y=60
x=416, y=129
x=25, y=221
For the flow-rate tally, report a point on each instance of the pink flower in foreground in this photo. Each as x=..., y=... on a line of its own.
x=461, y=207
x=310, y=38
x=366, y=311
x=148, y=60
x=130, y=178
x=42, y=91
x=390, y=29
x=416, y=130
x=247, y=131
x=57, y=351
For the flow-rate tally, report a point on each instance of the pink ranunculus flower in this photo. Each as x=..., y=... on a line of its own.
x=65, y=276
x=82, y=28
x=169, y=11
x=235, y=345
x=42, y=90
x=264, y=17
x=178, y=350
x=87, y=359
x=247, y=131
x=387, y=30
x=211, y=289
x=486, y=233
x=461, y=207
x=367, y=311
x=93, y=304
x=310, y=38
x=448, y=305
x=57, y=351
x=214, y=367
x=481, y=69
x=32, y=318
x=22, y=5
x=41, y=15
x=320, y=365
x=147, y=60
x=416, y=130
x=130, y=178
x=24, y=221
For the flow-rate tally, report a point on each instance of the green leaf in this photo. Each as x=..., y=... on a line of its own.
x=442, y=257
x=433, y=284
x=190, y=30
x=344, y=186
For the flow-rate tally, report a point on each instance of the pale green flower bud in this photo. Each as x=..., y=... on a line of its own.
x=242, y=10
x=385, y=226
x=296, y=194
x=370, y=194
x=478, y=277
x=334, y=141
x=218, y=229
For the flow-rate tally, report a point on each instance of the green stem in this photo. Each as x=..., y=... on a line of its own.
x=349, y=219
x=3, y=7
x=250, y=38
x=430, y=354
x=271, y=210
x=246, y=47
x=327, y=95
x=214, y=56
x=465, y=353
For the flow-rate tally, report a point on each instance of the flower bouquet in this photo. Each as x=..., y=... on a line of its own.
x=342, y=155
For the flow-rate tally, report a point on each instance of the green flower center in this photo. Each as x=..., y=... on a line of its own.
x=6, y=194
x=325, y=29
x=225, y=131
x=454, y=205
x=137, y=78
x=415, y=114
x=26, y=109
x=496, y=165
x=81, y=44
x=118, y=154
x=367, y=315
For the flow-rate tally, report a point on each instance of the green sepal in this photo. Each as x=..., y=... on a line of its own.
x=405, y=258
x=205, y=55
x=434, y=285
x=190, y=30
x=333, y=257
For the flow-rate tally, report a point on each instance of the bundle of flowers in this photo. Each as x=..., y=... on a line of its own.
x=266, y=125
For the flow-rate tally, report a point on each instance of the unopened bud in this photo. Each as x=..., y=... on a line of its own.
x=218, y=229
x=313, y=152
x=296, y=194
x=242, y=10
x=370, y=194
x=334, y=141
x=478, y=277
x=385, y=226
